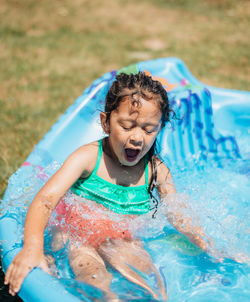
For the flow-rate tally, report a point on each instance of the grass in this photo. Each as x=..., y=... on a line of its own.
x=51, y=50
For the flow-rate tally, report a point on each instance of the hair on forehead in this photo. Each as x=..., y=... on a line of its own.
x=137, y=86
x=136, y=100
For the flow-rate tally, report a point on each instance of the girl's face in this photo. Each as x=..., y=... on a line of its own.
x=132, y=129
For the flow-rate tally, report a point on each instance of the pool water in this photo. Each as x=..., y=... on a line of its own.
x=216, y=198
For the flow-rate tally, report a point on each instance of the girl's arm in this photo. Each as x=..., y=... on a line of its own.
x=181, y=223
x=80, y=162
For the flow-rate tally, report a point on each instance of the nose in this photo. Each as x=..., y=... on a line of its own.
x=136, y=139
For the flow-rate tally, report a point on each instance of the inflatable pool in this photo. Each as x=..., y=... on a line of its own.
x=206, y=148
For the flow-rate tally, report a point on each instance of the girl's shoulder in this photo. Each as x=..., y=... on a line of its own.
x=85, y=157
x=164, y=180
x=161, y=168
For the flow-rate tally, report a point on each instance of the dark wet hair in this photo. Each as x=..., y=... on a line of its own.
x=131, y=84
x=148, y=88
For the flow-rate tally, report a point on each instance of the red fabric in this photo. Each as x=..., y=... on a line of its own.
x=93, y=229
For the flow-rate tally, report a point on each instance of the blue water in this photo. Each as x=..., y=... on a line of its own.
x=216, y=198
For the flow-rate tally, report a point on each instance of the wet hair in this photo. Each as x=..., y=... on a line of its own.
x=132, y=84
x=145, y=86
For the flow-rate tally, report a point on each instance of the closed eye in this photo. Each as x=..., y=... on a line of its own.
x=148, y=132
x=126, y=128
x=151, y=130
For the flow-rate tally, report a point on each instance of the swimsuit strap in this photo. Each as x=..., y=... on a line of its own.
x=98, y=157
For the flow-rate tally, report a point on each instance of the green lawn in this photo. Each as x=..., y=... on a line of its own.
x=51, y=50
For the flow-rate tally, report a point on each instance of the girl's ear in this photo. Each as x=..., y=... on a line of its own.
x=104, y=122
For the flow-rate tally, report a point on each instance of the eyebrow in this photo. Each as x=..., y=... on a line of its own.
x=126, y=120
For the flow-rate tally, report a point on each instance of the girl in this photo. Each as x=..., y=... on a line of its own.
x=118, y=173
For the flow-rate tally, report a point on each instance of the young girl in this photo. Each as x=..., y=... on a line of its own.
x=118, y=173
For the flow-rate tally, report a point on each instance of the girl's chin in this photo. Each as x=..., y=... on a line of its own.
x=130, y=161
x=130, y=164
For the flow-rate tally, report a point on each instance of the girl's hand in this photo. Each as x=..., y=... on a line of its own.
x=241, y=258
x=21, y=265
x=220, y=256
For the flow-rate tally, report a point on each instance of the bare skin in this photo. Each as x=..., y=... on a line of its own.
x=90, y=268
x=32, y=254
x=127, y=257
x=128, y=128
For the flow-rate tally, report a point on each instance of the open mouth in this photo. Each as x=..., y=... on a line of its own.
x=131, y=154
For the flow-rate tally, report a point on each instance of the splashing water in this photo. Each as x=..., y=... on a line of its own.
x=216, y=199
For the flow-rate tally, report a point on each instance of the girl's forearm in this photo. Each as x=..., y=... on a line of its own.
x=36, y=221
x=196, y=238
x=194, y=233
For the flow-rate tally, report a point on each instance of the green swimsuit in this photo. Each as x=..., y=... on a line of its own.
x=119, y=199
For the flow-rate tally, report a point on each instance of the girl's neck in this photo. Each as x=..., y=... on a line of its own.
x=107, y=149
